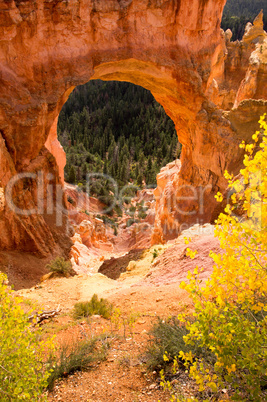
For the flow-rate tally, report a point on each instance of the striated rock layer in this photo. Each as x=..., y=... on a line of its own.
x=173, y=48
x=236, y=98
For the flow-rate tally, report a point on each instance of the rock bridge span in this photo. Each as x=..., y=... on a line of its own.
x=210, y=87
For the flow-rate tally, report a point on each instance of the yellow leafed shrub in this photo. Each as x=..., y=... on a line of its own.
x=23, y=373
x=231, y=308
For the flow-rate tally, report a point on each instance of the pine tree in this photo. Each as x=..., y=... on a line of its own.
x=140, y=180
x=72, y=175
x=84, y=171
x=105, y=169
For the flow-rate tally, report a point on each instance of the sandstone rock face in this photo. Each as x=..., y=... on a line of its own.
x=56, y=149
x=93, y=234
x=166, y=203
x=34, y=217
x=90, y=231
x=173, y=48
x=236, y=94
x=254, y=33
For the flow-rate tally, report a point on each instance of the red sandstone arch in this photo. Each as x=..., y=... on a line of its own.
x=174, y=48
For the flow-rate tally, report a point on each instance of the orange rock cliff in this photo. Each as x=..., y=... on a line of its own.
x=213, y=90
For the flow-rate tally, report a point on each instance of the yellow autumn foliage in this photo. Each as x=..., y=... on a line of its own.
x=23, y=371
x=231, y=308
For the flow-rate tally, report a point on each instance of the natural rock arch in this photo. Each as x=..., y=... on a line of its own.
x=173, y=48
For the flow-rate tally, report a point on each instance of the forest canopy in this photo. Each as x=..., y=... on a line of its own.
x=237, y=13
x=118, y=129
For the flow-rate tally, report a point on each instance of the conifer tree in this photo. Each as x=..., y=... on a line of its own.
x=72, y=175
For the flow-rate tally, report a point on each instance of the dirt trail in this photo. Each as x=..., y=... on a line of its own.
x=149, y=287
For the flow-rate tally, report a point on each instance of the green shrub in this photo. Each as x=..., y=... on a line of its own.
x=118, y=210
x=77, y=356
x=132, y=210
x=94, y=306
x=23, y=374
x=155, y=253
x=166, y=338
x=142, y=214
x=61, y=267
x=131, y=221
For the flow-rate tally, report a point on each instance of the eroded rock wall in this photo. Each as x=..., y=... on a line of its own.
x=236, y=97
x=173, y=48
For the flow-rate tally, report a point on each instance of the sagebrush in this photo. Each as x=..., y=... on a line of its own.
x=95, y=306
x=61, y=267
x=75, y=356
x=167, y=339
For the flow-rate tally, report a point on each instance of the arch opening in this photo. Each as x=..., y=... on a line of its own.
x=116, y=138
x=102, y=121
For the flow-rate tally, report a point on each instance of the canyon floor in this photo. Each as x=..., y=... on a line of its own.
x=149, y=288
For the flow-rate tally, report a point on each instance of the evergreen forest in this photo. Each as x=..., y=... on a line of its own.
x=237, y=13
x=118, y=129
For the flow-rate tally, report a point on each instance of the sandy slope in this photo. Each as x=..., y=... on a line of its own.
x=149, y=288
